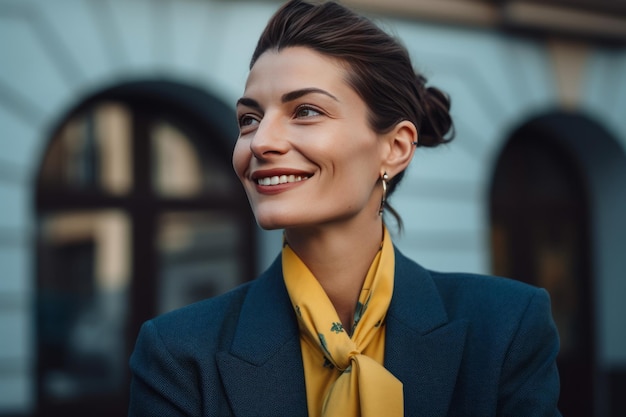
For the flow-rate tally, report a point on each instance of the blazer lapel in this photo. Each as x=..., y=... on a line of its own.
x=422, y=349
x=264, y=362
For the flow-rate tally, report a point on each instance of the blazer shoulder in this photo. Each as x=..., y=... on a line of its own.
x=483, y=285
x=468, y=290
x=500, y=300
x=202, y=321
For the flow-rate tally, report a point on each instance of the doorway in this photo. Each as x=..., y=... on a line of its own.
x=540, y=234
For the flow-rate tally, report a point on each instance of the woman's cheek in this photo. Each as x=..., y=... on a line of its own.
x=241, y=158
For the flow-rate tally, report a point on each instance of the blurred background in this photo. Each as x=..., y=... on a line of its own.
x=118, y=201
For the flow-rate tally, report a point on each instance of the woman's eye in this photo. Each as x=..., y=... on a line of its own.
x=306, y=111
x=247, y=120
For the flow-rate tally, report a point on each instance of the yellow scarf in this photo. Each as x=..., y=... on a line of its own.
x=344, y=375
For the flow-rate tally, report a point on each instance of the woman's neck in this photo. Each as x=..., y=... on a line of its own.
x=339, y=257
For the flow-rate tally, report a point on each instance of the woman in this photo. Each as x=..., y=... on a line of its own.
x=342, y=324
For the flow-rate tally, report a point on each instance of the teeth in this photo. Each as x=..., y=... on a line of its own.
x=283, y=179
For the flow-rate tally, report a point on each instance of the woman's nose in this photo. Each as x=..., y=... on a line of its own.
x=269, y=138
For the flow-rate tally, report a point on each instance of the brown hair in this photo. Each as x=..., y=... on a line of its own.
x=380, y=68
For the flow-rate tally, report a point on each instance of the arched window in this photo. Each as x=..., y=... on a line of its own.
x=139, y=212
x=540, y=234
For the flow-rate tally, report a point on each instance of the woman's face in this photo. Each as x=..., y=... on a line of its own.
x=306, y=154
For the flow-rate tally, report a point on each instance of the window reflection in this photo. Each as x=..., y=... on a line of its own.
x=91, y=150
x=200, y=256
x=554, y=265
x=552, y=262
x=183, y=170
x=178, y=171
x=83, y=303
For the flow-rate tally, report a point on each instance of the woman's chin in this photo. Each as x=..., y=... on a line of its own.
x=270, y=222
x=269, y=226
x=273, y=221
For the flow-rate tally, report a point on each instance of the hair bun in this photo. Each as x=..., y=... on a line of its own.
x=437, y=126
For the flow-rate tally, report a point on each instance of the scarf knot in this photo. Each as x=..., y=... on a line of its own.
x=343, y=355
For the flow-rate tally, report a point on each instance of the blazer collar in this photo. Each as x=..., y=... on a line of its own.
x=422, y=349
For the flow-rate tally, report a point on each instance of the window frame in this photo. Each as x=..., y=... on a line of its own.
x=198, y=115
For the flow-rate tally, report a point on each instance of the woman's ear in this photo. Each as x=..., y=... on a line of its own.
x=400, y=146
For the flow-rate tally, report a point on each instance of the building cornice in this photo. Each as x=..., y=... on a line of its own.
x=596, y=21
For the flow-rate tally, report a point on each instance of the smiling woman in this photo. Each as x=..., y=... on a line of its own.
x=343, y=324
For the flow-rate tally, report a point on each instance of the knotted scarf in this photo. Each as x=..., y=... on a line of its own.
x=344, y=374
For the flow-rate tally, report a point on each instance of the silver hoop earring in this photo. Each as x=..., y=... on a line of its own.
x=383, y=179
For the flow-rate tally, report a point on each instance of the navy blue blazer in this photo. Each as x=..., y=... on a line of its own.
x=462, y=345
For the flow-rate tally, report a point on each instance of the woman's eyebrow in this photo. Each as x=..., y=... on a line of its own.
x=287, y=97
x=293, y=95
x=249, y=102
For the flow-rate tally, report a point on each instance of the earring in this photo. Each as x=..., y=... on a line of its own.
x=384, y=179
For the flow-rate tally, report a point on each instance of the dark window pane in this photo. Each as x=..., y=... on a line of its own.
x=82, y=306
x=200, y=256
